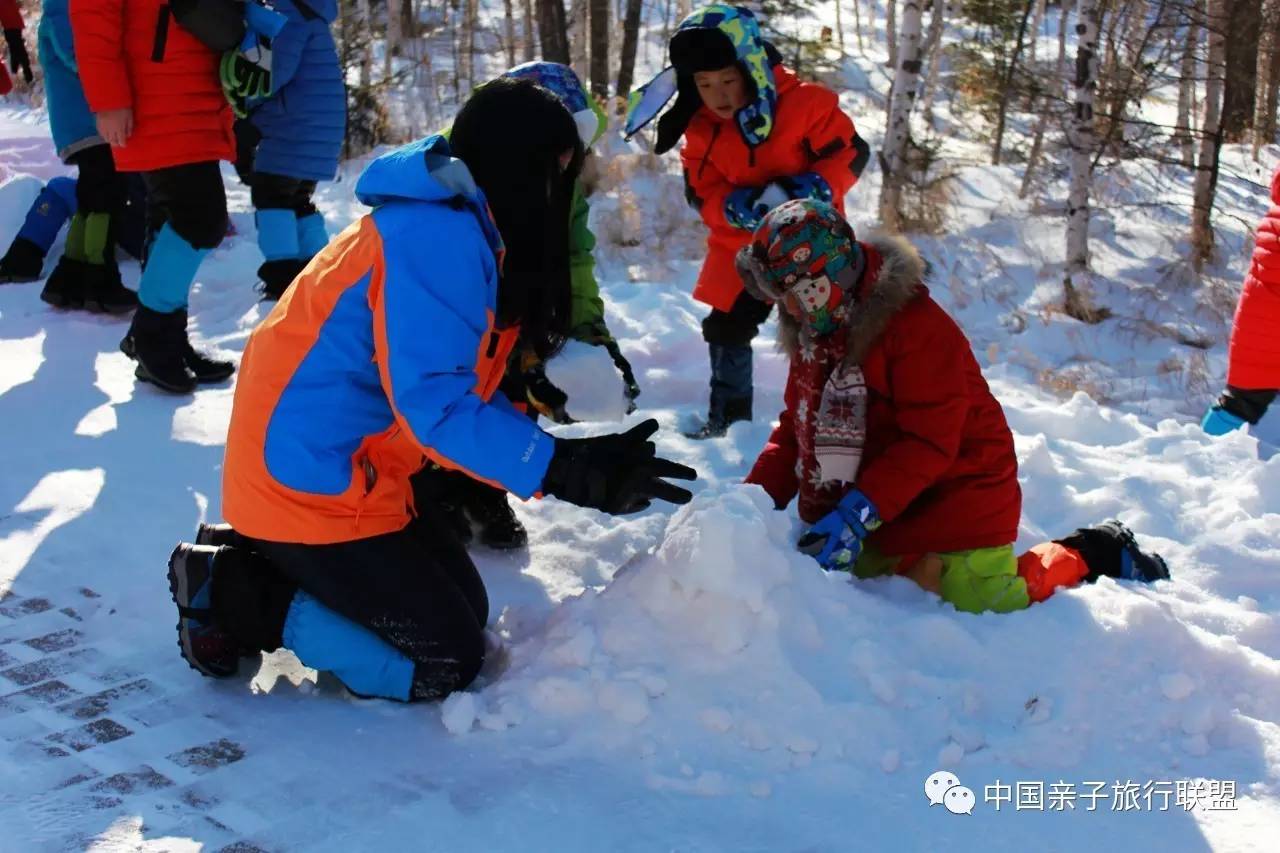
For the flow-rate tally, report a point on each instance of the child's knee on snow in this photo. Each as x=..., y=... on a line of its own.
x=984, y=580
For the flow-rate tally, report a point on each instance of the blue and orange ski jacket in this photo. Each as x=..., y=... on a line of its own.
x=385, y=353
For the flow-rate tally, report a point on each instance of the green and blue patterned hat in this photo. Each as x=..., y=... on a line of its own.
x=735, y=37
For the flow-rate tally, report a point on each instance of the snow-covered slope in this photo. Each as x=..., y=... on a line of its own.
x=676, y=681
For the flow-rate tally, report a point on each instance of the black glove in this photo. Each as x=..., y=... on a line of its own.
x=543, y=395
x=18, y=57
x=628, y=375
x=617, y=473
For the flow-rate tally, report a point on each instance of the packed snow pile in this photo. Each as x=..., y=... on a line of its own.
x=725, y=661
x=588, y=376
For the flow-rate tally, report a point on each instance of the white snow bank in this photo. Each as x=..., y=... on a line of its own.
x=724, y=660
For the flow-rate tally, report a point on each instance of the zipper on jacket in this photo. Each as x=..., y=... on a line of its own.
x=715, y=134
x=162, y=34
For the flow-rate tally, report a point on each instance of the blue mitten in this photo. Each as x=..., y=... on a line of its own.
x=809, y=185
x=835, y=541
x=747, y=206
x=1218, y=421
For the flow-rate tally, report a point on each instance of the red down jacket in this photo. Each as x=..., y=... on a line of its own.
x=938, y=460
x=1254, y=361
x=132, y=53
x=10, y=19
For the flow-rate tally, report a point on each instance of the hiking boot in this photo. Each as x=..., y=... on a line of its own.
x=208, y=649
x=23, y=262
x=105, y=292
x=65, y=286
x=277, y=276
x=1109, y=549
x=718, y=422
x=499, y=527
x=205, y=368
x=218, y=535
x=158, y=342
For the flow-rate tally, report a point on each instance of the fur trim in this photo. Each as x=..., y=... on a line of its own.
x=897, y=283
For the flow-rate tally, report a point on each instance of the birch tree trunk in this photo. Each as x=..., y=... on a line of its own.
x=1037, y=27
x=509, y=25
x=891, y=31
x=469, y=45
x=600, y=48
x=630, y=38
x=393, y=34
x=1187, y=72
x=1264, y=106
x=365, y=25
x=530, y=49
x=857, y=24
x=839, y=27
x=906, y=78
x=578, y=37
x=1206, y=183
x=933, y=50
x=1082, y=138
x=1068, y=6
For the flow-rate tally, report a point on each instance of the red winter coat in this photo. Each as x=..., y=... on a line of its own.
x=938, y=461
x=10, y=19
x=132, y=53
x=1254, y=361
x=717, y=161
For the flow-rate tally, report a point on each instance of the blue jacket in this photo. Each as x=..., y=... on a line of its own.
x=73, y=126
x=304, y=122
x=384, y=353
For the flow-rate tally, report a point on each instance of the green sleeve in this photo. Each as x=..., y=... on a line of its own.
x=588, y=308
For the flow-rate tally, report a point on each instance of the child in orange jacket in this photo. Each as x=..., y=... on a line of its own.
x=754, y=137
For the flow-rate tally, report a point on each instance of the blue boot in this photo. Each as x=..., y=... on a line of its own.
x=278, y=238
x=1218, y=421
x=312, y=236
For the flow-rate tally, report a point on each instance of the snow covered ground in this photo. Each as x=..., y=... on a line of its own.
x=676, y=680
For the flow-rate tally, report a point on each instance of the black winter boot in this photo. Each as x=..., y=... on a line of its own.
x=105, y=292
x=65, y=287
x=206, y=369
x=499, y=527
x=23, y=262
x=1109, y=549
x=719, y=419
x=278, y=275
x=218, y=535
x=208, y=649
x=158, y=342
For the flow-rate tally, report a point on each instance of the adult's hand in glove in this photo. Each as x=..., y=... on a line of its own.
x=18, y=56
x=835, y=541
x=617, y=473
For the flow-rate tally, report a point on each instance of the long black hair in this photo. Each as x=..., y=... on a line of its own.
x=512, y=134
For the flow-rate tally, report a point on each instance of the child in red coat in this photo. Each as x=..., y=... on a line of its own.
x=1253, y=366
x=754, y=136
x=900, y=455
x=154, y=89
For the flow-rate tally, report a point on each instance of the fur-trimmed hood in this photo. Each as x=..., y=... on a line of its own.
x=899, y=278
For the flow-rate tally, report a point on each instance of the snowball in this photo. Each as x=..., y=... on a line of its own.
x=716, y=719
x=458, y=712
x=591, y=381
x=950, y=755
x=761, y=790
x=626, y=700
x=891, y=761
x=1177, y=686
